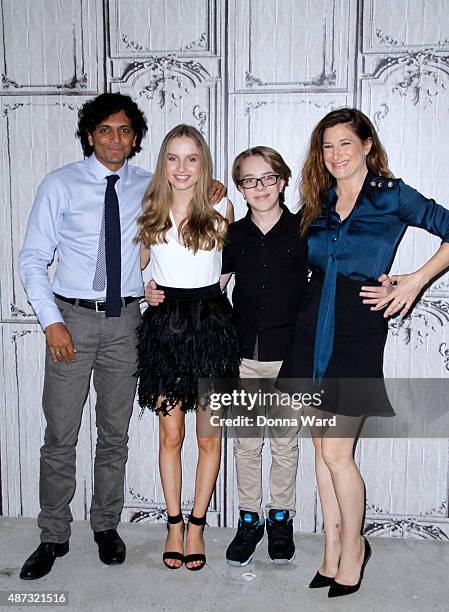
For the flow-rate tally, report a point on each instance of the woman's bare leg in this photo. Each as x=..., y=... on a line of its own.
x=171, y=437
x=330, y=510
x=209, y=454
x=337, y=454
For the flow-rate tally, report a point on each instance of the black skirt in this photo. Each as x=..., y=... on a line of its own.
x=353, y=384
x=190, y=336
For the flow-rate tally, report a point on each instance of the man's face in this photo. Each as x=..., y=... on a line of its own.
x=113, y=140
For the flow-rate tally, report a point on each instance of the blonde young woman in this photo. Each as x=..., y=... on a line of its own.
x=355, y=214
x=191, y=335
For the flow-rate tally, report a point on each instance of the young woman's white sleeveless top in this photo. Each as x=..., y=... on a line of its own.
x=174, y=265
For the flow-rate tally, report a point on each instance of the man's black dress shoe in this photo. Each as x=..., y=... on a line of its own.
x=41, y=561
x=111, y=547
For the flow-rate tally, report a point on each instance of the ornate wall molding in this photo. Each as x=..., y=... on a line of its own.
x=124, y=45
x=256, y=44
x=168, y=78
x=427, y=317
x=81, y=74
x=419, y=75
x=404, y=528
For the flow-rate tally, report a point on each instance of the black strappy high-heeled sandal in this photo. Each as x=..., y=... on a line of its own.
x=196, y=556
x=177, y=556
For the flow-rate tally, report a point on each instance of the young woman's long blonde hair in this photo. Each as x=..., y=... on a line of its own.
x=204, y=228
x=316, y=178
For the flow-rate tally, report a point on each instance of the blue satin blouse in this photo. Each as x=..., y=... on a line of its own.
x=362, y=247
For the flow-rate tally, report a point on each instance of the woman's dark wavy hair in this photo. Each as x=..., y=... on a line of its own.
x=316, y=178
x=95, y=111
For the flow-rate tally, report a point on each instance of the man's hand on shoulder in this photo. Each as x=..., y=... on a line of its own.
x=217, y=192
x=153, y=296
x=60, y=343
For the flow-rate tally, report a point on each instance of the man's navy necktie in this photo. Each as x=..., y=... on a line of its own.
x=112, y=248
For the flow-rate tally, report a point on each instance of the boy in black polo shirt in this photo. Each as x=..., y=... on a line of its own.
x=269, y=259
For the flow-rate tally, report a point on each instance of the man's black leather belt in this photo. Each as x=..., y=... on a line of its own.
x=97, y=305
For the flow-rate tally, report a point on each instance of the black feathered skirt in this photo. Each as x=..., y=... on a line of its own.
x=190, y=336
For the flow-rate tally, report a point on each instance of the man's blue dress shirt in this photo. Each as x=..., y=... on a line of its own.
x=362, y=247
x=66, y=217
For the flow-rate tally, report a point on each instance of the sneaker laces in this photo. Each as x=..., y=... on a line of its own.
x=281, y=528
x=247, y=532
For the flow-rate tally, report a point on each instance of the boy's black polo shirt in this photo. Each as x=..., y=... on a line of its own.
x=270, y=278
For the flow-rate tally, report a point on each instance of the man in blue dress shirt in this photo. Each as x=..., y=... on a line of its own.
x=87, y=211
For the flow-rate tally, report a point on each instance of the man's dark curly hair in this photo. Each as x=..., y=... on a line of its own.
x=95, y=111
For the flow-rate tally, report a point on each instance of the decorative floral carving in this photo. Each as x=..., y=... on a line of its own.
x=386, y=39
x=144, y=50
x=135, y=46
x=169, y=78
x=201, y=117
x=7, y=82
x=424, y=319
x=17, y=312
x=19, y=334
x=325, y=78
x=156, y=515
x=139, y=497
x=441, y=510
x=425, y=76
x=9, y=108
x=251, y=80
x=444, y=352
x=74, y=83
x=196, y=44
x=404, y=528
x=250, y=106
x=380, y=114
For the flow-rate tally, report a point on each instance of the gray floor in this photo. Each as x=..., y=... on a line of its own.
x=402, y=575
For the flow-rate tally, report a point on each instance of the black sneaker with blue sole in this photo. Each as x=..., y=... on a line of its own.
x=281, y=548
x=248, y=537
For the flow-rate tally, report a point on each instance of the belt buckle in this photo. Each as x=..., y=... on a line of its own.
x=96, y=305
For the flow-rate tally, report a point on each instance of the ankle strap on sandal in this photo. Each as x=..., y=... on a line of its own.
x=174, y=519
x=197, y=520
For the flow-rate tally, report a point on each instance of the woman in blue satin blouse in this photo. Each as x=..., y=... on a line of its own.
x=355, y=214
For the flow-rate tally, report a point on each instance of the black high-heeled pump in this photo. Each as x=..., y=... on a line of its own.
x=337, y=590
x=319, y=581
x=177, y=556
x=200, y=521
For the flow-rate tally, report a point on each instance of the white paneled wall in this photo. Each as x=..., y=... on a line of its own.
x=244, y=73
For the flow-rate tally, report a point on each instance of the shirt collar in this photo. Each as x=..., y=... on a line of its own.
x=100, y=171
x=331, y=196
x=252, y=226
